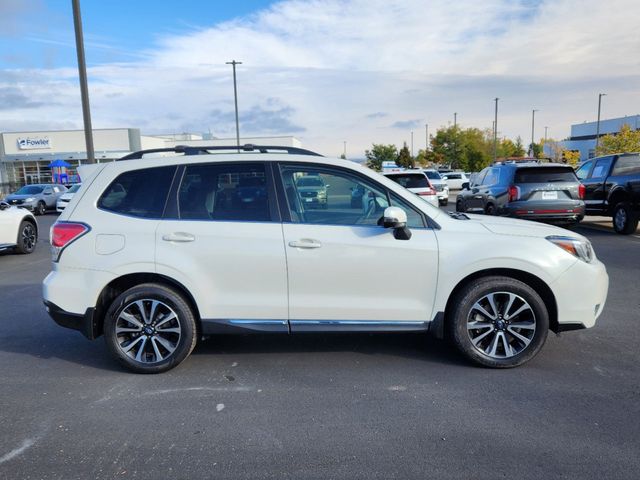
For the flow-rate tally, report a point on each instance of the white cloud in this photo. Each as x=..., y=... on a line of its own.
x=330, y=71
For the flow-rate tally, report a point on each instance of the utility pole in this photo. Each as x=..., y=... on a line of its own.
x=533, y=126
x=495, y=132
x=426, y=133
x=545, y=139
x=344, y=150
x=600, y=95
x=455, y=119
x=412, y=143
x=235, y=98
x=84, y=90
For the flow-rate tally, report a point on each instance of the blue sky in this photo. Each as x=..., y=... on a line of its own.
x=326, y=71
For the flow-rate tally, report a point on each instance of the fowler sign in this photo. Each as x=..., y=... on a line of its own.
x=34, y=143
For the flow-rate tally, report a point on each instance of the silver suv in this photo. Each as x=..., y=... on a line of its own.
x=37, y=198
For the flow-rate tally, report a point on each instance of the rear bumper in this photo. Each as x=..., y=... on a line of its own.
x=85, y=324
x=549, y=211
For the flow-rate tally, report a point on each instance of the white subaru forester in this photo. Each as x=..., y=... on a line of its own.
x=156, y=251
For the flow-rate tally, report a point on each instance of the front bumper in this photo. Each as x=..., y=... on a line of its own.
x=581, y=293
x=85, y=324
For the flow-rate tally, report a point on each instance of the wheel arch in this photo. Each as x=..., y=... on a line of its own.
x=124, y=282
x=533, y=281
x=616, y=196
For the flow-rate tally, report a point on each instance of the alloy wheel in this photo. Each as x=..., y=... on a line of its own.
x=148, y=331
x=501, y=325
x=28, y=239
x=621, y=218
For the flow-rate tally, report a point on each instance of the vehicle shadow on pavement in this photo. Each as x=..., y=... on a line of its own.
x=413, y=346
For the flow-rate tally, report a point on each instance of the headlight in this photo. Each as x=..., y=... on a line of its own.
x=578, y=248
x=30, y=199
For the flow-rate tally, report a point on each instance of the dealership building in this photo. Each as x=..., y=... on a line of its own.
x=25, y=156
x=583, y=135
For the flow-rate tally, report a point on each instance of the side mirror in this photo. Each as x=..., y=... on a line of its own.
x=396, y=218
x=4, y=205
x=465, y=185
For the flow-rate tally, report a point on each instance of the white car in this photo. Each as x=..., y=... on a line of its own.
x=440, y=185
x=66, y=197
x=155, y=253
x=18, y=229
x=416, y=181
x=455, y=180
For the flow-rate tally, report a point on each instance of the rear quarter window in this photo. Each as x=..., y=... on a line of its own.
x=627, y=165
x=545, y=175
x=139, y=193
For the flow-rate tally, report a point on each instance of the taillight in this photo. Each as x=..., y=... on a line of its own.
x=64, y=233
x=581, y=191
x=427, y=192
x=514, y=193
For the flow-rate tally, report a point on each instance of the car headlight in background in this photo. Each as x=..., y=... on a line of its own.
x=30, y=199
x=578, y=248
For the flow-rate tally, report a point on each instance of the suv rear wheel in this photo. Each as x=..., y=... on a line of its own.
x=625, y=220
x=150, y=328
x=498, y=322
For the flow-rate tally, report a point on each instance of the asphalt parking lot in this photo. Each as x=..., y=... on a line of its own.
x=320, y=406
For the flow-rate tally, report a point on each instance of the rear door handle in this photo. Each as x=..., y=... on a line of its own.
x=179, y=237
x=305, y=243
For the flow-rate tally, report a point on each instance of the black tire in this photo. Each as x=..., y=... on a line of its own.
x=40, y=209
x=460, y=207
x=490, y=209
x=625, y=220
x=501, y=329
x=27, y=237
x=444, y=203
x=170, y=302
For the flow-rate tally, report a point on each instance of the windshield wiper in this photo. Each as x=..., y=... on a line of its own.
x=458, y=215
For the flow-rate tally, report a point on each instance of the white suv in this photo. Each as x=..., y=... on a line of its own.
x=153, y=253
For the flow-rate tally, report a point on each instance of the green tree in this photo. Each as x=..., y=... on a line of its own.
x=380, y=153
x=626, y=140
x=405, y=160
x=519, y=147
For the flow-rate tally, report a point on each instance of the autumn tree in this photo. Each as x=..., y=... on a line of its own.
x=626, y=140
x=405, y=160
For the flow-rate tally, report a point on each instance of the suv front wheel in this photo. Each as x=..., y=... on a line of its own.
x=498, y=322
x=150, y=328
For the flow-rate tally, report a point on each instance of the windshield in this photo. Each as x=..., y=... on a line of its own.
x=30, y=190
x=310, y=182
x=74, y=188
x=411, y=180
x=433, y=175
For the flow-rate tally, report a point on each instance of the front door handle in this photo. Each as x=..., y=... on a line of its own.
x=179, y=237
x=305, y=243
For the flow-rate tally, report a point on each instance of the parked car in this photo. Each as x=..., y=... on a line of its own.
x=545, y=192
x=439, y=184
x=313, y=190
x=18, y=229
x=161, y=264
x=37, y=198
x=612, y=188
x=66, y=197
x=455, y=180
x=416, y=181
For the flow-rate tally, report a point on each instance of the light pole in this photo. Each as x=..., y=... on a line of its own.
x=455, y=119
x=495, y=132
x=533, y=127
x=344, y=151
x=235, y=98
x=600, y=95
x=412, y=143
x=545, y=139
x=84, y=90
x=426, y=133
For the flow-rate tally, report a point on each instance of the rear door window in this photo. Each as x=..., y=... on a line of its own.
x=601, y=169
x=493, y=177
x=545, y=175
x=139, y=193
x=224, y=192
x=627, y=165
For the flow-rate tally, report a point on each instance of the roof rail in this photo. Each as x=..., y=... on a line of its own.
x=203, y=150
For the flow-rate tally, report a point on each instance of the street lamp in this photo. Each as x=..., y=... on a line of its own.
x=84, y=89
x=600, y=95
x=235, y=99
x=533, y=127
x=412, y=143
x=495, y=132
x=426, y=133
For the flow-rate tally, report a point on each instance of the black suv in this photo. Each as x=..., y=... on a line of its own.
x=612, y=188
x=533, y=191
